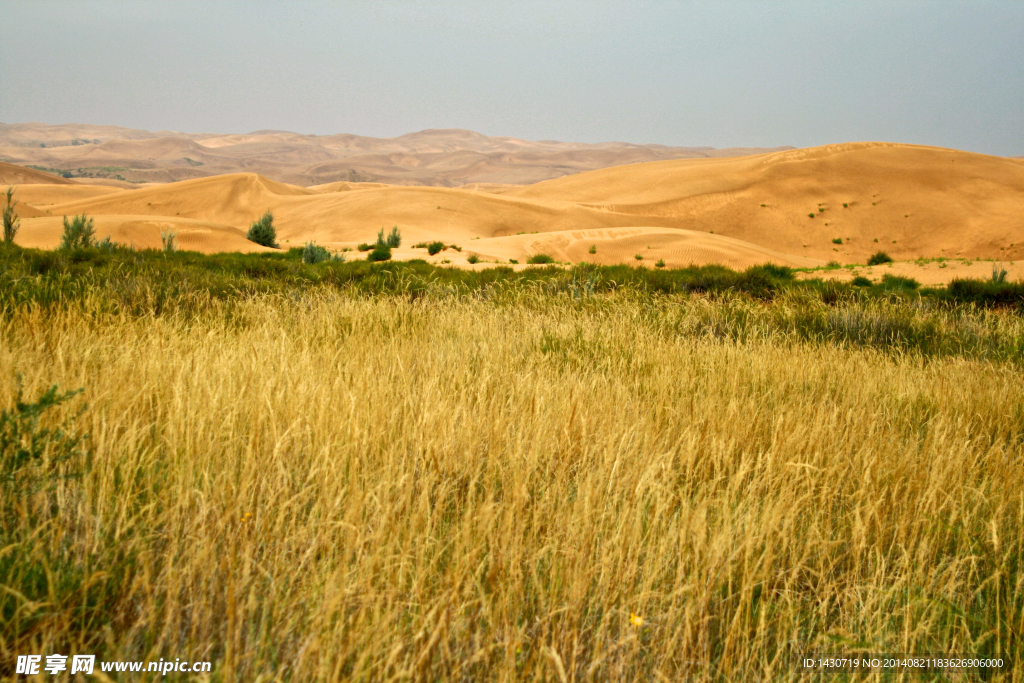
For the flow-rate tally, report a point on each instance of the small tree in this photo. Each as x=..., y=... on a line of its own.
x=262, y=231
x=78, y=233
x=11, y=220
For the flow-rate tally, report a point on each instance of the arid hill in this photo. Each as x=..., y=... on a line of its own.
x=800, y=207
x=444, y=158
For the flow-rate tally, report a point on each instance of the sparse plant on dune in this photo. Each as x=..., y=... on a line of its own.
x=538, y=259
x=998, y=274
x=593, y=249
x=393, y=239
x=878, y=258
x=262, y=231
x=168, y=239
x=473, y=258
x=11, y=221
x=79, y=233
x=837, y=240
x=313, y=253
x=435, y=248
x=660, y=263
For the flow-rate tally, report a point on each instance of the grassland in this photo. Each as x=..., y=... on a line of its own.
x=396, y=472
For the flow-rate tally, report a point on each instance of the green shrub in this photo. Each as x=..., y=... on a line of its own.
x=890, y=281
x=837, y=240
x=861, y=281
x=78, y=233
x=639, y=257
x=473, y=258
x=660, y=263
x=539, y=259
x=512, y=260
x=435, y=248
x=262, y=231
x=381, y=252
x=878, y=258
x=364, y=247
x=167, y=238
x=11, y=221
x=593, y=249
x=314, y=253
x=810, y=215
x=998, y=274
x=832, y=265
x=394, y=238
x=986, y=292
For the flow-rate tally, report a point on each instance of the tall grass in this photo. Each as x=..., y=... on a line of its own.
x=486, y=484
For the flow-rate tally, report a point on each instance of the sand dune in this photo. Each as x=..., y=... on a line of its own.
x=443, y=158
x=676, y=248
x=11, y=174
x=910, y=201
x=143, y=232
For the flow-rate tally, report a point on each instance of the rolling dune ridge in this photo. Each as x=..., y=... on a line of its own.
x=800, y=208
x=440, y=157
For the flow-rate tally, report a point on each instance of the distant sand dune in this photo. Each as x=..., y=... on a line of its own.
x=907, y=200
x=441, y=157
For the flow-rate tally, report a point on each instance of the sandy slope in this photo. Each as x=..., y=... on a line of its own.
x=675, y=247
x=915, y=201
x=143, y=232
x=11, y=174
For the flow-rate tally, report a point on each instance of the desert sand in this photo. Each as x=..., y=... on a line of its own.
x=911, y=201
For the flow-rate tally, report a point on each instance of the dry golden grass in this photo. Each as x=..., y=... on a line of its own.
x=349, y=488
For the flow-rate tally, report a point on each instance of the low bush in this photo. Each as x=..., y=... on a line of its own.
x=473, y=258
x=878, y=258
x=364, y=247
x=435, y=248
x=314, y=253
x=381, y=252
x=538, y=259
x=890, y=281
x=861, y=281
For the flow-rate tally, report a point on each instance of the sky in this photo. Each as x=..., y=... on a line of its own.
x=722, y=73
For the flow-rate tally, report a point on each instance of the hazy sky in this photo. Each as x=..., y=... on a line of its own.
x=719, y=73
